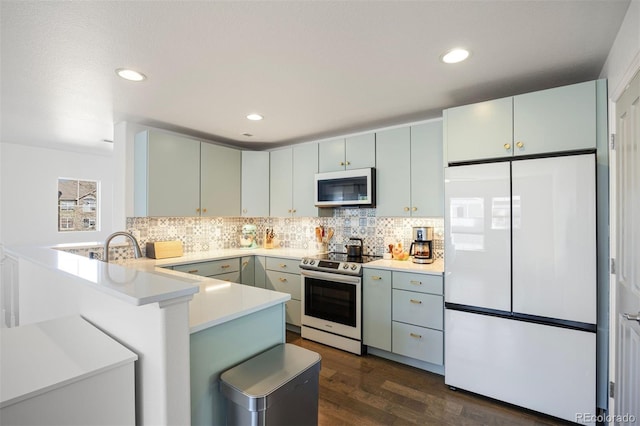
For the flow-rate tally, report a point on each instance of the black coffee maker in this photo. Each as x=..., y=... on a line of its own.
x=422, y=246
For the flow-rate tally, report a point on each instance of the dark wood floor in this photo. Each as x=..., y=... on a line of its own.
x=369, y=390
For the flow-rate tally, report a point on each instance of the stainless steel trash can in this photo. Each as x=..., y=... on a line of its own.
x=277, y=387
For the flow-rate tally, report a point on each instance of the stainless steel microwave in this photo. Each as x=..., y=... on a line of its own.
x=346, y=188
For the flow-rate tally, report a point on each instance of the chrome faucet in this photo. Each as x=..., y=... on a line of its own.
x=136, y=248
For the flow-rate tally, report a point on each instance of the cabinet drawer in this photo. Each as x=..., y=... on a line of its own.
x=418, y=282
x=286, y=283
x=283, y=265
x=207, y=269
x=425, y=310
x=418, y=342
x=234, y=277
x=293, y=312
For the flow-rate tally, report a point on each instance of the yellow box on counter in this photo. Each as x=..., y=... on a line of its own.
x=164, y=249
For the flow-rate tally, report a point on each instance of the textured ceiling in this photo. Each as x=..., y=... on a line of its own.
x=313, y=69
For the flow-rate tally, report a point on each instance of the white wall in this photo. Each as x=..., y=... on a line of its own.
x=29, y=193
x=624, y=56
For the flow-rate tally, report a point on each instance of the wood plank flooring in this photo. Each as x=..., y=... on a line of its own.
x=369, y=390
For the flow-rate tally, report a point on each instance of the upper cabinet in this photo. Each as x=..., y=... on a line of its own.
x=255, y=183
x=409, y=171
x=552, y=120
x=219, y=180
x=167, y=175
x=354, y=152
x=292, y=179
x=178, y=176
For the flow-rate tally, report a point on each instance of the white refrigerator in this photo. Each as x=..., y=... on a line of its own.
x=520, y=282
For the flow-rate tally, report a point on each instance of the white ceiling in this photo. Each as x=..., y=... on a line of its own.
x=313, y=69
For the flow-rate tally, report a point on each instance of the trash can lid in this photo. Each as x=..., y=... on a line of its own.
x=261, y=375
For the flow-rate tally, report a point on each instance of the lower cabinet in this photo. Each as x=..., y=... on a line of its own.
x=403, y=313
x=248, y=270
x=284, y=275
x=224, y=269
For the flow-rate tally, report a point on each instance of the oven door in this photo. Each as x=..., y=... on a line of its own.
x=332, y=303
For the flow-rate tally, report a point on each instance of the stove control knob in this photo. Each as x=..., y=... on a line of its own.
x=312, y=262
x=305, y=261
x=345, y=266
x=354, y=267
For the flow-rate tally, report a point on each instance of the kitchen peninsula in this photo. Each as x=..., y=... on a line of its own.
x=180, y=325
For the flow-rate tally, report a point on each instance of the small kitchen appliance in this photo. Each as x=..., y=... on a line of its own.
x=332, y=299
x=422, y=246
x=249, y=239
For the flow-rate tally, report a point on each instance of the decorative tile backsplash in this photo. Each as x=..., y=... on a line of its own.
x=201, y=234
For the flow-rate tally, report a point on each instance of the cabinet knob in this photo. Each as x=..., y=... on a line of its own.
x=245, y=263
x=348, y=163
x=406, y=209
x=342, y=163
x=244, y=210
x=204, y=210
x=414, y=209
x=198, y=210
x=289, y=210
x=294, y=210
x=507, y=146
x=520, y=144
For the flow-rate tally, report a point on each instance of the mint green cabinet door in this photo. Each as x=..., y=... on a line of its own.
x=247, y=270
x=280, y=185
x=360, y=151
x=479, y=131
x=427, y=170
x=219, y=180
x=554, y=120
x=260, y=271
x=376, y=308
x=305, y=166
x=393, y=176
x=331, y=155
x=255, y=184
x=167, y=175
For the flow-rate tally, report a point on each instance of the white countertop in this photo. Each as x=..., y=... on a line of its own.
x=435, y=268
x=37, y=358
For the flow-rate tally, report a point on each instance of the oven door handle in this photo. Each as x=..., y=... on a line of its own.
x=329, y=276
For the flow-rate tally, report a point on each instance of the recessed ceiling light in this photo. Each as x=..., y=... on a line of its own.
x=454, y=56
x=130, y=75
x=255, y=117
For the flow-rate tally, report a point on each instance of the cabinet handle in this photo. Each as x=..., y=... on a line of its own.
x=520, y=144
x=282, y=280
x=375, y=277
x=507, y=146
x=419, y=302
x=282, y=265
x=414, y=209
x=414, y=282
x=245, y=263
x=406, y=209
x=224, y=266
x=193, y=271
x=417, y=336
